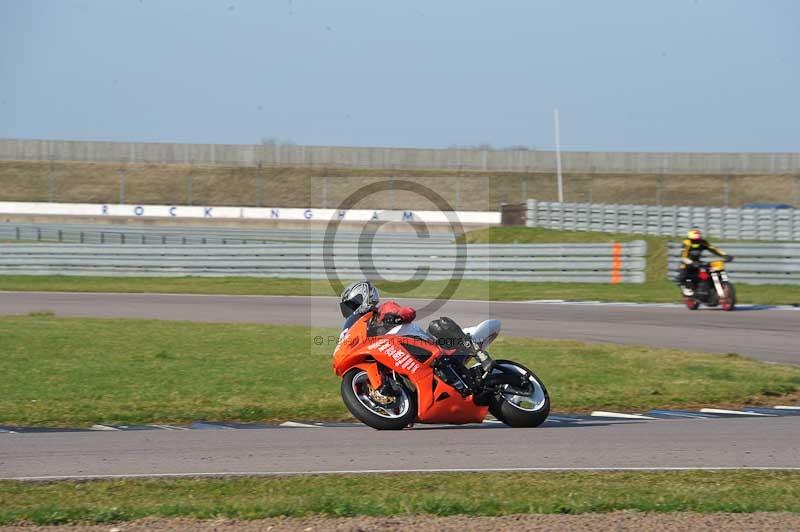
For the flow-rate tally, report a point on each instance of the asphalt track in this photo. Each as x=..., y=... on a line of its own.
x=764, y=333
x=624, y=445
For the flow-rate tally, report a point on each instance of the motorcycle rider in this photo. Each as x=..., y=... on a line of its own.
x=362, y=297
x=693, y=248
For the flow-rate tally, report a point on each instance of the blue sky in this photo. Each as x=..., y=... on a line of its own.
x=672, y=75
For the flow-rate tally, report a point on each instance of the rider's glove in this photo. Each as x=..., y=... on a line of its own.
x=728, y=258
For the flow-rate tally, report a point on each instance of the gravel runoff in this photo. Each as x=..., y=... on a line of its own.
x=633, y=521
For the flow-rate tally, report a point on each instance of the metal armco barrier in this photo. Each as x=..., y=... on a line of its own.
x=153, y=235
x=590, y=263
x=753, y=263
x=739, y=224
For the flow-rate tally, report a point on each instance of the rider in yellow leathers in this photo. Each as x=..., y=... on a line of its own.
x=693, y=248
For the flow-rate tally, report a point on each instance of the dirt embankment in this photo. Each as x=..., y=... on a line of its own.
x=253, y=186
x=633, y=521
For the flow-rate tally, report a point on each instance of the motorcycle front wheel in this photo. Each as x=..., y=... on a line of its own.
x=729, y=301
x=516, y=410
x=375, y=410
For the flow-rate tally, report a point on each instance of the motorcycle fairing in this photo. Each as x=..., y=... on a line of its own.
x=437, y=401
x=717, y=265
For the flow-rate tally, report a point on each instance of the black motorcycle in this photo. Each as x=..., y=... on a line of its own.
x=711, y=287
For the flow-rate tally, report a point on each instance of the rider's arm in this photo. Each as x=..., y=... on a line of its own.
x=350, y=321
x=396, y=314
x=687, y=246
x=715, y=250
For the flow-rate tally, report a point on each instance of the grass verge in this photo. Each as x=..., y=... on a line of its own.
x=77, y=372
x=651, y=292
x=431, y=494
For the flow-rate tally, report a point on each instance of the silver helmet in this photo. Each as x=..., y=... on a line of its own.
x=358, y=298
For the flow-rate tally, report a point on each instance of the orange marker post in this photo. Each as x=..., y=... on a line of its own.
x=616, y=263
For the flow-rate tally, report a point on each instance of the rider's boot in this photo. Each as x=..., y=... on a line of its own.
x=686, y=291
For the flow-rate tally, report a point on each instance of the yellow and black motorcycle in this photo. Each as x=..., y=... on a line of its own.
x=711, y=287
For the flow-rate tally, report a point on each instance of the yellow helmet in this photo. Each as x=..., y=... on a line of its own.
x=694, y=234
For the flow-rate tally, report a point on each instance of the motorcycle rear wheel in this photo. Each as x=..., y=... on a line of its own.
x=691, y=303
x=521, y=411
x=359, y=399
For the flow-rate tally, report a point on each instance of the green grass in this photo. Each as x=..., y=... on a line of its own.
x=77, y=372
x=654, y=292
x=431, y=494
x=540, y=235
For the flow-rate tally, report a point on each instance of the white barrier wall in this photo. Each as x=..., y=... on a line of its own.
x=248, y=213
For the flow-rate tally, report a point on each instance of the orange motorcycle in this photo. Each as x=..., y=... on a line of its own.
x=443, y=375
